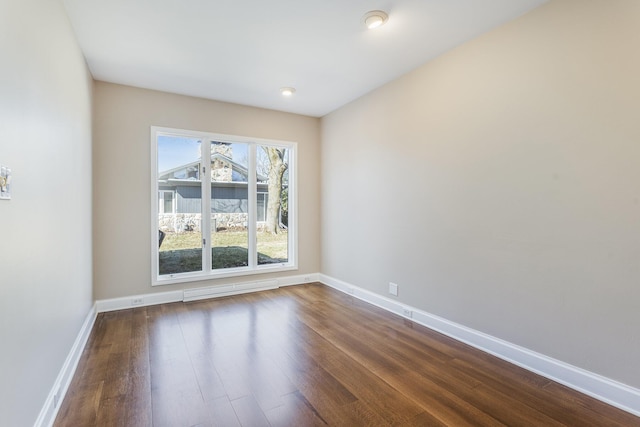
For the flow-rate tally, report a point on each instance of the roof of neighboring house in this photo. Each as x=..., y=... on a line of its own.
x=193, y=183
x=165, y=175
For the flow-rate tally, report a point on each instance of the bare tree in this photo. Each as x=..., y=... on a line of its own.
x=277, y=167
x=262, y=162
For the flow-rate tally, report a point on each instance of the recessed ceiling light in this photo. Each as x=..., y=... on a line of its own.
x=375, y=18
x=287, y=91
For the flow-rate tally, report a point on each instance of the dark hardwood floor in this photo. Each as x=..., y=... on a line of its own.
x=303, y=356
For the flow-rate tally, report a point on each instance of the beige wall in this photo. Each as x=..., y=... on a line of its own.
x=45, y=230
x=122, y=178
x=499, y=185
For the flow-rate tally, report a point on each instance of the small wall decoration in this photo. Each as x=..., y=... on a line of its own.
x=5, y=183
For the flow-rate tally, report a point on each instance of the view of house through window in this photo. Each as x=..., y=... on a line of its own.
x=228, y=214
x=166, y=202
x=229, y=205
x=180, y=251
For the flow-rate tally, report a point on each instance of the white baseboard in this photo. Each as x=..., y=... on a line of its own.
x=61, y=385
x=299, y=279
x=230, y=289
x=605, y=389
x=202, y=292
x=122, y=303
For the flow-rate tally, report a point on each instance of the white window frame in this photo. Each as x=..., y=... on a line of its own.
x=161, y=201
x=253, y=267
x=264, y=207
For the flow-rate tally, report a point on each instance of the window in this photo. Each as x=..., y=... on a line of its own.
x=231, y=214
x=262, y=207
x=166, y=199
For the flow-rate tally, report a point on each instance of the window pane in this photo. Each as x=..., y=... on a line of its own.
x=272, y=237
x=262, y=207
x=179, y=230
x=168, y=202
x=229, y=205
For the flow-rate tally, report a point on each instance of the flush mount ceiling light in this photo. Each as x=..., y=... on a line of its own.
x=375, y=18
x=287, y=91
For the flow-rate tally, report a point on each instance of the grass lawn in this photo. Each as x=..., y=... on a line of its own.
x=181, y=252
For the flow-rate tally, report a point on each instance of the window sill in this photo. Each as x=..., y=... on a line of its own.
x=222, y=274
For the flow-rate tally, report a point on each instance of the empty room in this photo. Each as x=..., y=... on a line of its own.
x=414, y=213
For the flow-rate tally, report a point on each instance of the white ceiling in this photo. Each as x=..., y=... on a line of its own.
x=244, y=51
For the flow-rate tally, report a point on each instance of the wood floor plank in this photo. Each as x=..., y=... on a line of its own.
x=423, y=419
x=303, y=356
x=295, y=411
x=222, y=413
x=82, y=403
x=111, y=413
x=588, y=410
x=249, y=412
x=442, y=403
x=528, y=393
x=138, y=409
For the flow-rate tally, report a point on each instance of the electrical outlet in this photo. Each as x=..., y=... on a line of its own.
x=307, y=279
x=137, y=301
x=406, y=312
x=393, y=288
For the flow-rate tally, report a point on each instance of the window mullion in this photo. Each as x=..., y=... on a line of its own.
x=252, y=194
x=205, y=170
